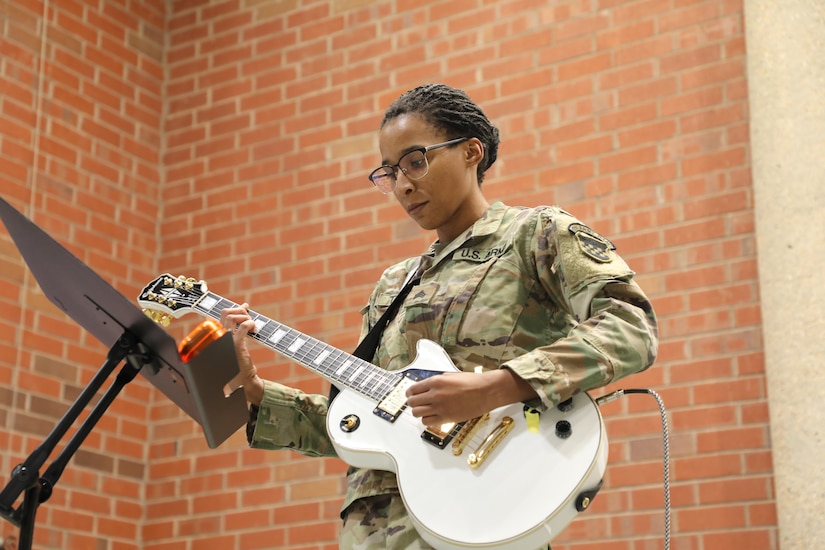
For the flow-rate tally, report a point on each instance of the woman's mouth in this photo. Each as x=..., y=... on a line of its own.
x=415, y=208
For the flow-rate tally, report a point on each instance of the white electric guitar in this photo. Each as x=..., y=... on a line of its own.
x=512, y=479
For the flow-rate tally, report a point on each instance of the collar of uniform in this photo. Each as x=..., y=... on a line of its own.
x=487, y=224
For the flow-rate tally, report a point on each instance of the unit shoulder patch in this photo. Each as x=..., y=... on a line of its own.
x=591, y=243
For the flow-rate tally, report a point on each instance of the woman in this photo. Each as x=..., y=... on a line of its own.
x=536, y=299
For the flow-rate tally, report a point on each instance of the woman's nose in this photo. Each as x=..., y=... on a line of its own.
x=403, y=184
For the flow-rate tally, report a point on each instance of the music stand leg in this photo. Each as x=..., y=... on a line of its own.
x=28, y=511
x=25, y=478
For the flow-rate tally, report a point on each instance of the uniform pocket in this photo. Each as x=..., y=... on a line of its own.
x=479, y=325
x=470, y=308
x=376, y=308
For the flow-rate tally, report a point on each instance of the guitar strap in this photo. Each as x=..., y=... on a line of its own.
x=366, y=349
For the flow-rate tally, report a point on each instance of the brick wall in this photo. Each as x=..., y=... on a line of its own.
x=229, y=141
x=81, y=106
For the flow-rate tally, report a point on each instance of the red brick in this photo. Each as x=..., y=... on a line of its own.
x=741, y=538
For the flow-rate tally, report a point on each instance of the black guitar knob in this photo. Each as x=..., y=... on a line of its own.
x=563, y=429
x=566, y=405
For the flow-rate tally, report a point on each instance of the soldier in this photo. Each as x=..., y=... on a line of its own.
x=538, y=300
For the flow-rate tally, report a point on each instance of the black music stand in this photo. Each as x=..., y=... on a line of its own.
x=197, y=387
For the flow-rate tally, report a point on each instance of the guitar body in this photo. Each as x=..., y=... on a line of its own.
x=509, y=485
x=521, y=496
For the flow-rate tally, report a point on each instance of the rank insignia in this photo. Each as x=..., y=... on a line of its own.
x=591, y=243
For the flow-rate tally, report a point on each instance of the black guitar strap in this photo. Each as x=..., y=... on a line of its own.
x=366, y=349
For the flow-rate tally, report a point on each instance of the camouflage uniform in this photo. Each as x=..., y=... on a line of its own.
x=532, y=289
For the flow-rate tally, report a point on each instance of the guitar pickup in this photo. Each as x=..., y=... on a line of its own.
x=440, y=436
x=394, y=402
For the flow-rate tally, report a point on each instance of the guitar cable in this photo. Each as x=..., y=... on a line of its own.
x=666, y=447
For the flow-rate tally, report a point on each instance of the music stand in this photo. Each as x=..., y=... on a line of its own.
x=197, y=387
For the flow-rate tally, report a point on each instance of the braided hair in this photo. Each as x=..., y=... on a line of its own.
x=452, y=111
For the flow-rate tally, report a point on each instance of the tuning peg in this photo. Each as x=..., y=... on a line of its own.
x=159, y=317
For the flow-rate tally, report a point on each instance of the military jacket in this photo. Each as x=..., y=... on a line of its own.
x=530, y=289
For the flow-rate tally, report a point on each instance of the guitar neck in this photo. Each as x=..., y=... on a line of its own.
x=336, y=366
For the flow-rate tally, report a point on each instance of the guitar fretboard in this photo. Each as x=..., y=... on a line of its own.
x=338, y=367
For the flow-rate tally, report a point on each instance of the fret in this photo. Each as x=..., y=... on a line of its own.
x=385, y=384
x=286, y=342
x=355, y=374
x=222, y=303
x=296, y=345
x=259, y=324
x=337, y=355
x=208, y=302
x=366, y=383
x=276, y=336
x=307, y=351
x=315, y=349
x=343, y=367
x=212, y=304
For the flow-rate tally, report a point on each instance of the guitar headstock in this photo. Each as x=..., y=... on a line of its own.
x=169, y=297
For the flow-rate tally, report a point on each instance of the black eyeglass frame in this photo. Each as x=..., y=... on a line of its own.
x=394, y=168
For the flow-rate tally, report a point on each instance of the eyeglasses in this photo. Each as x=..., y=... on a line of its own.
x=413, y=163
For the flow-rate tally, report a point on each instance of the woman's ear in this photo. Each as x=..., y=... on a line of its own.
x=474, y=152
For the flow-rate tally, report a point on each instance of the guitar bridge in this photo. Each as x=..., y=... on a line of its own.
x=468, y=431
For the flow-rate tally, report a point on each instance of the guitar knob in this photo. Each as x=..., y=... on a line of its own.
x=350, y=423
x=566, y=405
x=563, y=429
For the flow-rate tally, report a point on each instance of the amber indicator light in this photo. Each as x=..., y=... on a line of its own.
x=200, y=337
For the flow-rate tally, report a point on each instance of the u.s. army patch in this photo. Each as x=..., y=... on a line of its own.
x=591, y=243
